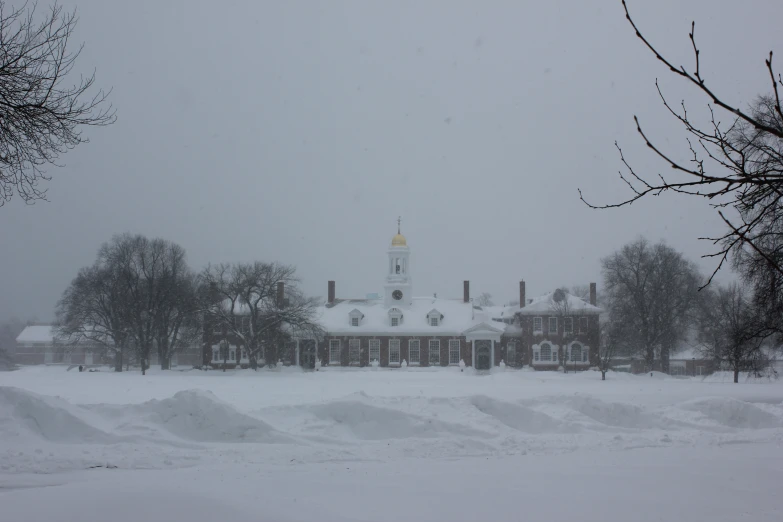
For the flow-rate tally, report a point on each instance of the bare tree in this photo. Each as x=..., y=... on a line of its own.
x=93, y=309
x=242, y=300
x=652, y=291
x=484, y=299
x=731, y=332
x=138, y=295
x=739, y=165
x=41, y=117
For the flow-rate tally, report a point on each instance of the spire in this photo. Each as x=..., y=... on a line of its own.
x=399, y=220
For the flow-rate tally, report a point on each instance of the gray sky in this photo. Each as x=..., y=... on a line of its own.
x=299, y=131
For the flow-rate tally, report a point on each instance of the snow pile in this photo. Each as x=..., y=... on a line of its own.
x=363, y=420
x=733, y=413
x=24, y=414
x=195, y=415
x=519, y=417
x=617, y=414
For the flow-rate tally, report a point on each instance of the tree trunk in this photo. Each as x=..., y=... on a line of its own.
x=603, y=375
x=118, y=361
x=736, y=376
x=253, y=362
x=165, y=362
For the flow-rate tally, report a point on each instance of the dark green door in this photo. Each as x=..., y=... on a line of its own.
x=483, y=348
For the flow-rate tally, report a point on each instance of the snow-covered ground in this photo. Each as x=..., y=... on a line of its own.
x=385, y=445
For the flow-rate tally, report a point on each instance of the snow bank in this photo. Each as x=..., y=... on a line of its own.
x=520, y=417
x=363, y=420
x=198, y=415
x=24, y=414
x=733, y=413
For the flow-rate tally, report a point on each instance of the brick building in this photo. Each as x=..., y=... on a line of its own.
x=398, y=329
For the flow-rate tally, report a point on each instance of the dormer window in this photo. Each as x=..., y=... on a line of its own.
x=355, y=317
x=434, y=318
x=395, y=316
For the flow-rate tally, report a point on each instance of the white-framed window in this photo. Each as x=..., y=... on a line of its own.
x=454, y=348
x=375, y=350
x=576, y=352
x=354, y=351
x=434, y=351
x=511, y=353
x=216, y=353
x=568, y=325
x=546, y=352
x=553, y=325
x=334, y=351
x=537, y=325
x=433, y=321
x=355, y=317
x=585, y=357
x=536, y=355
x=395, y=314
x=583, y=325
x=394, y=351
x=232, y=355
x=414, y=351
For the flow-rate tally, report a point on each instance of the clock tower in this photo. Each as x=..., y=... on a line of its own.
x=398, y=279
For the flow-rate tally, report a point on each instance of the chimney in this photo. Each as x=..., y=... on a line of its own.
x=330, y=297
x=521, y=294
x=280, y=294
x=466, y=291
x=592, y=294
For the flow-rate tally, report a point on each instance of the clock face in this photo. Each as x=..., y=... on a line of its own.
x=397, y=295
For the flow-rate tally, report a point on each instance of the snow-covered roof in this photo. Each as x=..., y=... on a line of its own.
x=458, y=316
x=500, y=312
x=545, y=304
x=37, y=334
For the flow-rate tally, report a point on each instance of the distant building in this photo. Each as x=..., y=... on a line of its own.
x=399, y=329
x=39, y=344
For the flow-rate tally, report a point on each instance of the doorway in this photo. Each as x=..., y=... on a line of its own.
x=483, y=355
x=307, y=354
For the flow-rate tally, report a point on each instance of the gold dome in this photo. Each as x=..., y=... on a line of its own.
x=399, y=240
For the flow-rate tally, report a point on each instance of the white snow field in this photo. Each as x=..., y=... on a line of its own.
x=383, y=445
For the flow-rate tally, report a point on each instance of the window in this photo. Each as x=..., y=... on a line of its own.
x=375, y=350
x=434, y=351
x=216, y=354
x=584, y=356
x=354, y=321
x=354, y=351
x=414, y=351
x=576, y=352
x=511, y=353
x=395, y=321
x=394, y=351
x=546, y=352
x=537, y=321
x=232, y=356
x=535, y=355
x=433, y=321
x=334, y=351
x=583, y=325
x=568, y=325
x=553, y=325
x=454, y=351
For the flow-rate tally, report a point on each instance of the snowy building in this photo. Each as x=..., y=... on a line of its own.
x=40, y=344
x=399, y=329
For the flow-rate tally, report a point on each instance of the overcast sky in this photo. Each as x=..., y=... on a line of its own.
x=299, y=131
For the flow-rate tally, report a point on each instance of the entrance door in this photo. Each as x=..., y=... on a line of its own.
x=483, y=360
x=307, y=354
